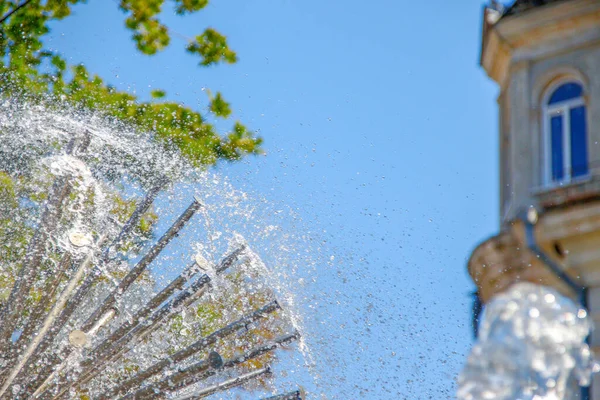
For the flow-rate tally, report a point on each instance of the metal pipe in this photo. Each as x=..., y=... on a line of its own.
x=52, y=283
x=194, y=348
x=78, y=339
x=200, y=367
x=195, y=373
x=295, y=395
x=583, y=298
x=118, y=348
x=91, y=279
x=125, y=231
x=230, y=259
x=141, y=266
x=140, y=315
x=529, y=219
x=167, y=311
x=144, y=312
x=37, y=314
x=139, y=211
x=103, y=321
x=13, y=309
x=99, y=361
x=228, y=384
x=42, y=388
x=14, y=306
x=48, y=363
x=152, y=305
x=54, y=312
x=477, y=309
x=35, y=319
x=87, y=285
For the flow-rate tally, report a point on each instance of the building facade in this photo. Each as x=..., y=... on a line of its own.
x=545, y=57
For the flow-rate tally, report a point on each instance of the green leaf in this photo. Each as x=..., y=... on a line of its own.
x=158, y=94
x=219, y=106
x=151, y=36
x=189, y=6
x=23, y=72
x=212, y=47
x=59, y=63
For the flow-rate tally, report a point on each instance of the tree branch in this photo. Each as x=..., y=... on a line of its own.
x=14, y=10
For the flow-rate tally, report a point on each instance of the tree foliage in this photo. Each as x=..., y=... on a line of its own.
x=29, y=68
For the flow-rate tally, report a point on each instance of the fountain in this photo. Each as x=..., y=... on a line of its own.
x=81, y=315
x=531, y=345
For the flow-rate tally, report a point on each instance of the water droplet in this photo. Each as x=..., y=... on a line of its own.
x=534, y=313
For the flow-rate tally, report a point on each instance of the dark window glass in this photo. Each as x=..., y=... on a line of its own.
x=579, y=162
x=565, y=92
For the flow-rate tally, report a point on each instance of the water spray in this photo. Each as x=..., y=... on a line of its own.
x=58, y=346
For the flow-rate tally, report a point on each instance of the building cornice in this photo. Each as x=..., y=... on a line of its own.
x=569, y=236
x=538, y=33
x=546, y=18
x=504, y=259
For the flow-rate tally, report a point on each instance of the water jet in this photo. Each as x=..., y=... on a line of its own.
x=78, y=339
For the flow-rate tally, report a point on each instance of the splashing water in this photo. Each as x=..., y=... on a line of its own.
x=531, y=346
x=118, y=165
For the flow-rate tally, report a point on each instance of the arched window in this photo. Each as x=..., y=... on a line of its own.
x=565, y=141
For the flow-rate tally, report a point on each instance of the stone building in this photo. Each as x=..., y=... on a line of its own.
x=545, y=57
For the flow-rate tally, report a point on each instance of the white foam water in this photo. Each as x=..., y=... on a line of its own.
x=531, y=346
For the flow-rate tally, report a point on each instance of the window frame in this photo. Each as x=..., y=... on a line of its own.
x=563, y=109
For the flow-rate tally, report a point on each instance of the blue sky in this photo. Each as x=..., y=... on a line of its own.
x=380, y=132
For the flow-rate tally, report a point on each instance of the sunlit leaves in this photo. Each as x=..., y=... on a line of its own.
x=219, y=106
x=212, y=47
x=239, y=142
x=60, y=9
x=158, y=94
x=141, y=10
x=59, y=63
x=188, y=6
x=177, y=126
x=151, y=36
